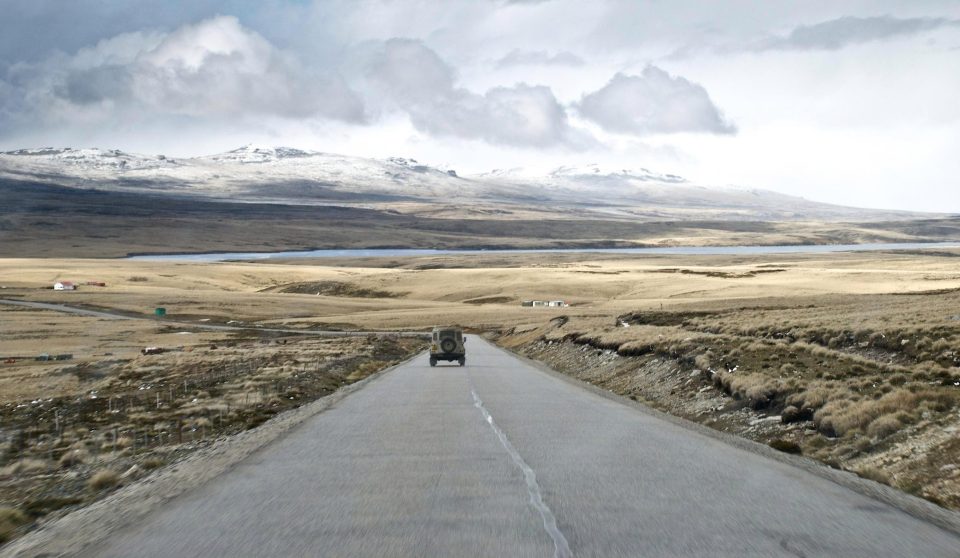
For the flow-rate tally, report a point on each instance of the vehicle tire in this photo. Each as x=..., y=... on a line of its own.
x=463, y=361
x=433, y=361
x=448, y=345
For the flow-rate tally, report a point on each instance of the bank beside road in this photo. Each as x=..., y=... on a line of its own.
x=868, y=384
x=74, y=431
x=500, y=458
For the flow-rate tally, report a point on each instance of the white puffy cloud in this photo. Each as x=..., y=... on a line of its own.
x=81, y=74
x=521, y=115
x=424, y=86
x=653, y=103
x=212, y=69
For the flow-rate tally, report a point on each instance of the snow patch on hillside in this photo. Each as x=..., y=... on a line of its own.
x=90, y=159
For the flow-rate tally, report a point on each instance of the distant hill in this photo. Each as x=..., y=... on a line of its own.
x=293, y=176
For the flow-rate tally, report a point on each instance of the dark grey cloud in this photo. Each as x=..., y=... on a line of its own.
x=838, y=33
x=539, y=58
x=93, y=85
x=31, y=31
x=653, y=103
x=424, y=86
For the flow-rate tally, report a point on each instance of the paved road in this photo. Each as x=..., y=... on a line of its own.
x=501, y=459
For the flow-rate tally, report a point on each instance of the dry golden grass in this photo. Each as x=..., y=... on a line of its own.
x=862, y=347
x=112, y=407
x=24, y=466
x=103, y=479
x=759, y=390
x=874, y=474
x=73, y=458
x=886, y=425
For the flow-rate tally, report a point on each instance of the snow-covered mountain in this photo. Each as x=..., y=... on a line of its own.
x=82, y=160
x=254, y=154
x=295, y=176
x=250, y=172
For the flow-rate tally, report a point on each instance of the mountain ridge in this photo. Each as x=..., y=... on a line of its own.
x=280, y=174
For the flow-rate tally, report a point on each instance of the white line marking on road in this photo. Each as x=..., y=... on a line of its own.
x=560, y=547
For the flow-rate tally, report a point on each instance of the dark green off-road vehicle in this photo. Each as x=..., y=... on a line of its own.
x=446, y=343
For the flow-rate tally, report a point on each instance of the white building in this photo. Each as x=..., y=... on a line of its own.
x=64, y=286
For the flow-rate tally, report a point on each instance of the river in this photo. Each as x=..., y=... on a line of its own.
x=676, y=250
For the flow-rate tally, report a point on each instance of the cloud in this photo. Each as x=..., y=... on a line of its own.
x=539, y=58
x=838, y=33
x=409, y=72
x=424, y=86
x=521, y=115
x=653, y=103
x=212, y=69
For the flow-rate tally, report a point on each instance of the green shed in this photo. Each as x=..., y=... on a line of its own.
x=160, y=312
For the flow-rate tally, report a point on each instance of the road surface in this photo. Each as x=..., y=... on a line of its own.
x=501, y=459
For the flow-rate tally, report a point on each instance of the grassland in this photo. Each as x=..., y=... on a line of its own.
x=851, y=358
x=73, y=430
x=43, y=220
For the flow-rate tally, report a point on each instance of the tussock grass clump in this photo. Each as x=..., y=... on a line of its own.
x=841, y=416
x=152, y=463
x=812, y=398
x=759, y=390
x=704, y=361
x=885, y=425
x=897, y=380
x=10, y=520
x=874, y=474
x=24, y=466
x=636, y=348
x=103, y=479
x=73, y=457
x=38, y=507
x=791, y=414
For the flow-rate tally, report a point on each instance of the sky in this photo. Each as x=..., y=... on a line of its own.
x=853, y=102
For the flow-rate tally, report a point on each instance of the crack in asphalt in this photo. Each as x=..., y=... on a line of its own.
x=561, y=549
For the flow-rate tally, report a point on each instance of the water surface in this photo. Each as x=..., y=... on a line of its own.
x=676, y=250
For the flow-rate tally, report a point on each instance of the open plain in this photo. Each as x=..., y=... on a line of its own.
x=848, y=358
x=706, y=256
